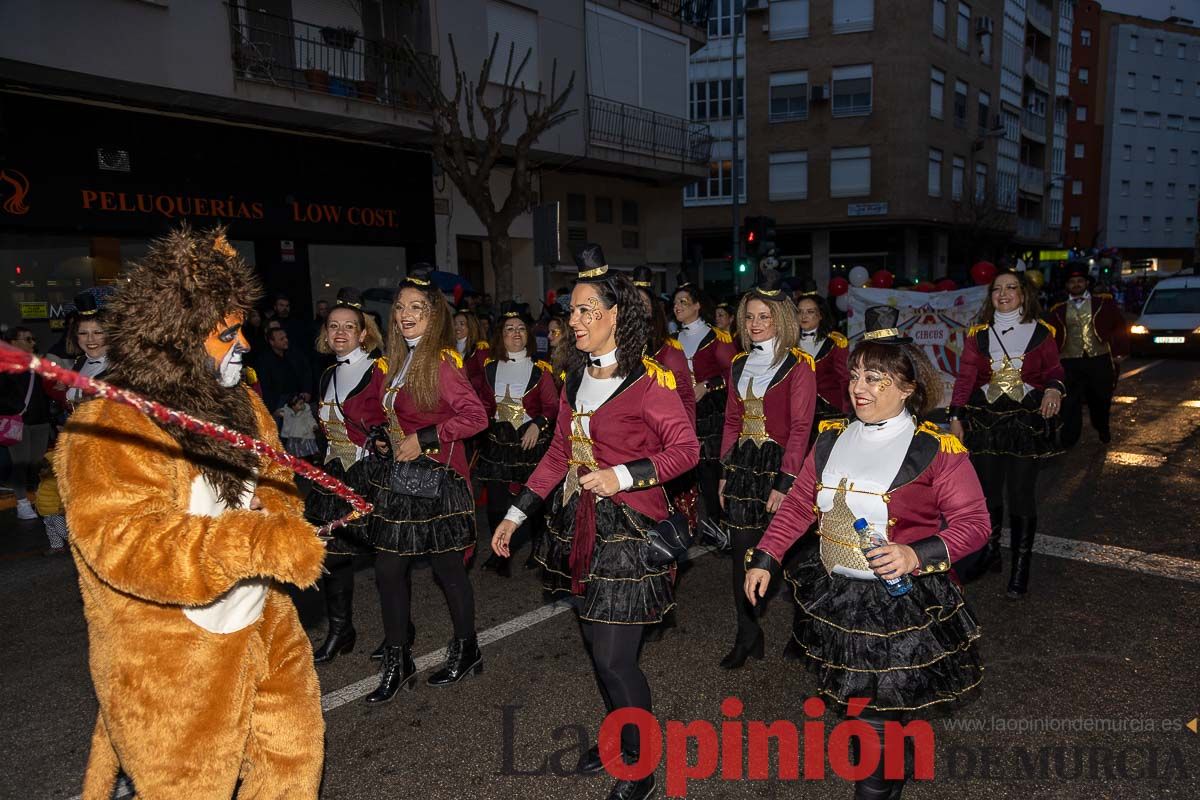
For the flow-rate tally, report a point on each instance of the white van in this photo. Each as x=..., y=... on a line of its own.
x=1170, y=320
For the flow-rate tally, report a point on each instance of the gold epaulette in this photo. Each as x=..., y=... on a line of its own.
x=251, y=376
x=803, y=356
x=487, y=361
x=722, y=337
x=1049, y=327
x=1057, y=306
x=742, y=354
x=664, y=376
x=562, y=376
x=839, y=339
x=974, y=329
x=831, y=425
x=947, y=442
x=544, y=366
x=482, y=345
x=450, y=354
x=383, y=365
x=673, y=342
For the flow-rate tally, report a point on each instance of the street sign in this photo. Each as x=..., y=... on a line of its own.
x=867, y=209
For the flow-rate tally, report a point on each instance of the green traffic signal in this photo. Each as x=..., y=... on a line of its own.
x=742, y=267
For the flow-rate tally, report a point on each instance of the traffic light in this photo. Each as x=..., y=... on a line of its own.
x=758, y=235
x=743, y=266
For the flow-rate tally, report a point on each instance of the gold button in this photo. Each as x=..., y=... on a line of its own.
x=943, y=566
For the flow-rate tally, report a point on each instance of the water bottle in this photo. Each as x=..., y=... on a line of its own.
x=869, y=539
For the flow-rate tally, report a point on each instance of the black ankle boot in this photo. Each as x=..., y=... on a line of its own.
x=399, y=672
x=1023, y=531
x=633, y=790
x=655, y=633
x=589, y=763
x=377, y=654
x=462, y=658
x=342, y=636
x=736, y=658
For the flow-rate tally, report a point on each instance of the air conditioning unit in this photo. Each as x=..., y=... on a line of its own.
x=112, y=160
x=820, y=93
x=983, y=25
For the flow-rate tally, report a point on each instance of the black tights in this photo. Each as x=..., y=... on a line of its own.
x=1008, y=480
x=748, y=628
x=614, y=652
x=392, y=576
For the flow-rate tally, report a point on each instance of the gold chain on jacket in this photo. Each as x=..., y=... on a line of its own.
x=340, y=446
x=396, y=434
x=754, y=418
x=510, y=410
x=839, y=540
x=582, y=454
x=1005, y=381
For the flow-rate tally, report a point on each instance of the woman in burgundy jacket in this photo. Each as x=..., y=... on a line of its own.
x=829, y=350
x=622, y=432
x=914, y=486
x=1007, y=396
x=521, y=401
x=772, y=393
x=431, y=409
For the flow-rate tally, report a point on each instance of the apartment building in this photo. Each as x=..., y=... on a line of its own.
x=893, y=135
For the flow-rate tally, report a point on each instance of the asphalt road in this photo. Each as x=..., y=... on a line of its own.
x=1090, y=680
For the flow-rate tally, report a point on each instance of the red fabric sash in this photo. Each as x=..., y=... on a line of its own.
x=584, y=543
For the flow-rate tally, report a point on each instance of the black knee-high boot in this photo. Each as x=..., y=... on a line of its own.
x=993, y=561
x=339, y=608
x=1023, y=531
x=876, y=786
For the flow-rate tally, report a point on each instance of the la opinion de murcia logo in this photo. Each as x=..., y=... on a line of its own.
x=14, y=188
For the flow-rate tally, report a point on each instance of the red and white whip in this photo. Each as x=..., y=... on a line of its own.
x=15, y=361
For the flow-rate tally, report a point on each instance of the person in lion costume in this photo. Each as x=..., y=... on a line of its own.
x=203, y=673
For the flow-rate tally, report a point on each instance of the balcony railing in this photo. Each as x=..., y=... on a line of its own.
x=1034, y=123
x=640, y=130
x=1032, y=179
x=1041, y=16
x=1030, y=228
x=279, y=50
x=692, y=12
x=1037, y=69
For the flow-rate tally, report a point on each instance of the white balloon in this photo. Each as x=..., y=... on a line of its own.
x=843, y=302
x=859, y=276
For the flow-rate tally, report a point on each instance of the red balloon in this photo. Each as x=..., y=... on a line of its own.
x=924, y=286
x=551, y=296
x=983, y=272
x=458, y=294
x=945, y=285
x=882, y=279
x=838, y=287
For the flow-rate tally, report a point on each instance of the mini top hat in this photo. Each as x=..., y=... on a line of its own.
x=420, y=276
x=513, y=310
x=881, y=326
x=86, y=305
x=349, y=297
x=643, y=278
x=593, y=267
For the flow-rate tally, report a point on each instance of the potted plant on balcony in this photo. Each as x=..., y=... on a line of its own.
x=341, y=38
x=317, y=79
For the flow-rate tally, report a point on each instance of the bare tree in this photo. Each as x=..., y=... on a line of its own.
x=469, y=156
x=981, y=228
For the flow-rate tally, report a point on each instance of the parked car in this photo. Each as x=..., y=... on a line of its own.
x=1170, y=320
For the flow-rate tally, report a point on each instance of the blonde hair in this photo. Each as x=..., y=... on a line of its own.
x=783, y=313
x=366, y=322
x=421, y=382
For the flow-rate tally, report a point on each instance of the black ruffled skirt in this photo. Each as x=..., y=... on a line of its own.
x=1009, y=428
x=412, y=526
x=916, y=652
x=620, y=588
x=501, y=457
x=322, y=506
x=750, y=472
x=710, y=424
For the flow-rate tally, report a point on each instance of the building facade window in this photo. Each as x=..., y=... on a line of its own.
x=939, y=18
x=1124, y=188
x=1075, y=224
x=852, y=90
x=1081, y=113
x=1181, y=51
x=1127, y=152
x=725, y=17
x=1178, y=87
x=604, y=210
x=1169, y=224
x=1079, y=150
x=1131, y=80
x=1170, y=190
x=1145, y=223
x=789, y=96
x=1174, y=122
x=850, y=171
x=1122, y=223
x=960, y=104
x=1158, y=47
x=1127, y=116
x=576, y=208
x=981, y=172
x=958, y=177
x=1076, y=187
x=1083, y=75
x=516, y=28
x=963, y=29
x=935, y=172
x=1148, y=189
x=629, y=213
x=852, y=16
x=1085, y=37
x=1151, y=154
x=719, y=183
x=1133, y=43
x=788, y=175
x=985, y=111
x=788, y=19
x=937, y=92
x=1151, y=119
x=1173, y=155
x=714, y=100
x=1154, y=81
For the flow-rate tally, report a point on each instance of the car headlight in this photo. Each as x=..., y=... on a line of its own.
x=1139, y=330
x=1196, y=330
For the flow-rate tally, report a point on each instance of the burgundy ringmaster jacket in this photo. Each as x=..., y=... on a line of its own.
x=540, y=398
x=711, y=362
x=363, y=407
x=1107, y=321
x=833, y=376
x=1040, y=367
x=788, y=405
x=671, y=356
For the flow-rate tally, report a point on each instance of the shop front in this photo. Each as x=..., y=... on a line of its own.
x=85, y=188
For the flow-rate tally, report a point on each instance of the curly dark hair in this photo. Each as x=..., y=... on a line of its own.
x=909, y=366
x=633, y=328
x=705, y=302
x=825, y=325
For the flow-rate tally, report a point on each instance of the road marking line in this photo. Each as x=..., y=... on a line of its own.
x=1107, y=555
x=1124, y=399
x=1135, y=459
x=1190, y=404
x=1140, y=369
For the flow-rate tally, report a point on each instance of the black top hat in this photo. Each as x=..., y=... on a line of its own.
x=420, y=276
x=514, y=310
x=1079, y=271
x=591, y=262
x=643, y=278
x=86, y=305
x=349, y=297
x=728, y=306
x=881, y=326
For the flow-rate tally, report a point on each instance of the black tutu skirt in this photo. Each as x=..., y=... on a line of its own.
x=750, y=472
x=413, y=526
x=322, y=506
x=710, y=424
x=620, y=588
x=501, y=457
x=1009, y=428
x=916, y=652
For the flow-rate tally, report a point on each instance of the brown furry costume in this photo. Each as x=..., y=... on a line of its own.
x=203, y=673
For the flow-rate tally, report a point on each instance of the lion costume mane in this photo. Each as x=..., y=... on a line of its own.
x=203, y=673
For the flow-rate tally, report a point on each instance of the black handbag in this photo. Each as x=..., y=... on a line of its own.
x=421, y=477
x=667, y=542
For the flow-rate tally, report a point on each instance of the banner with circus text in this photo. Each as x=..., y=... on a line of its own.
x=937, y=321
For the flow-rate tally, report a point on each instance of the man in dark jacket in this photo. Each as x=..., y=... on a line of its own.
x=280, y=373
x=24, y=394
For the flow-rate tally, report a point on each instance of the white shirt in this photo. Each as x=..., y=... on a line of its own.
x=868, y=457
x=461, y=346
x=1007, y=329
x=398, y=381
x=758, y=368
x=347, y=374
x=691, y=335
x=811, y=344
x=593, y=392
x=91, y=368
x=512, y=376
